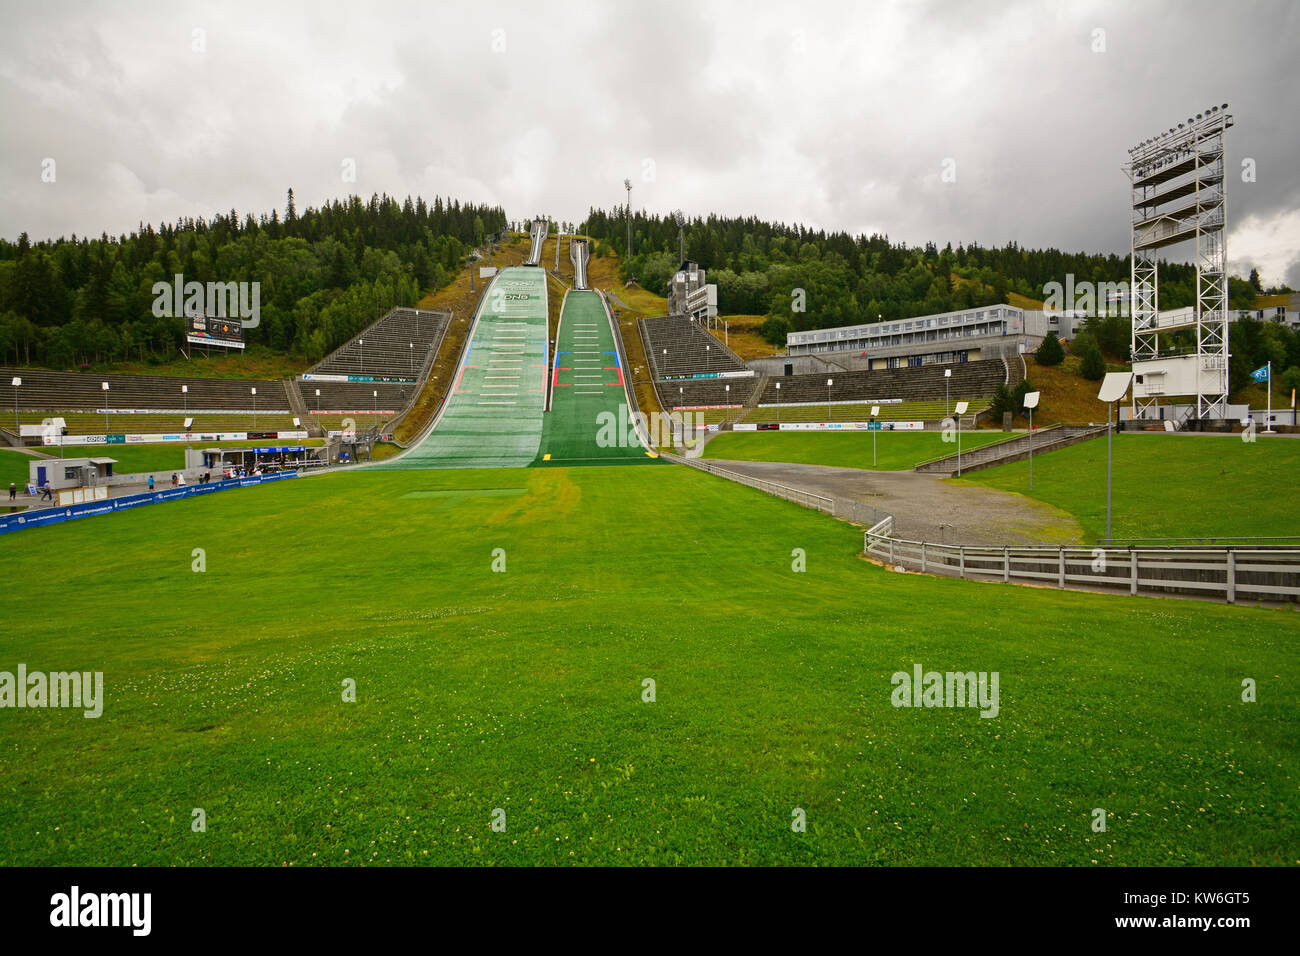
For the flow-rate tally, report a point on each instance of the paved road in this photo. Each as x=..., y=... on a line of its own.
x=925, y=507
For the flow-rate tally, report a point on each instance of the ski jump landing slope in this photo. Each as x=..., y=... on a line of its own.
x=493, y=417
x=589, y=421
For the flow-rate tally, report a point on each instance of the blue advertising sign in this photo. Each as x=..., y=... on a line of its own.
x=47, y=516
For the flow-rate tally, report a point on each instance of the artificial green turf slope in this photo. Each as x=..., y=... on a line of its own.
x=1167, y=486
x=493, y=417
x=523, y=689
x=589, y=421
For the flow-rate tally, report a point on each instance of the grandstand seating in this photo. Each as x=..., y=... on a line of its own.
x=401, y=345
x=676, y=345
x=970, y=381
x=59, y=393
x=707, y=391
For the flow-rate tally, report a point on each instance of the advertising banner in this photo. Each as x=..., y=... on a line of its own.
x=45, y=516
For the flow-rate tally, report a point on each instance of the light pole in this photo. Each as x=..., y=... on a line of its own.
x=707, y=363
x=875, y=413
x=778, y=406
x=960, y=410
x=17, y=428
x=104, y=388
x=947, y=374
x=829, y=383
x=412, y=359
x=1113, y=387
x=1031, y=402
x=361, y=348
x=185, y=397
x=727, y=401
x=628, y=184
x=375, y=408
x=254, y=393
x=318, y=401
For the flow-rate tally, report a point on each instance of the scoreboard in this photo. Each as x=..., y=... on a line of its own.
x=210, y=330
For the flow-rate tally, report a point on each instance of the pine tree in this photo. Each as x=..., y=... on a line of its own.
x=1093, y=366
x=1050, y=352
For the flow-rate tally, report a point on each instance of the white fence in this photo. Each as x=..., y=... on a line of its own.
x=805, y=498
x=1221, y=573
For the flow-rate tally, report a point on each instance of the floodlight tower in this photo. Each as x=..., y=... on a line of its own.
x=627, y=183
x=680, y=218
x=1178, y=193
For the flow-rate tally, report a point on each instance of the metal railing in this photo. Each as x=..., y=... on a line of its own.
x=1226, y=573
x=805, y=498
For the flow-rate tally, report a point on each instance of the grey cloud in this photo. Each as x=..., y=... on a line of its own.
x=834, y=114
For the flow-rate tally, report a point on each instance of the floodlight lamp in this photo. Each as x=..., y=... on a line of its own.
x=17, y=381
x=960, y=408
x=104, y=386
x=947, y=373
x=1113, y=386
x=875, y=410
x=1031, y=399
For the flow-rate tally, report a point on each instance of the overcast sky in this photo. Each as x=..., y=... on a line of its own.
x=837, y=115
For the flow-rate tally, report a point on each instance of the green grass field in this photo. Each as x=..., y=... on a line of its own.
x=13, y=467
x=522, y=690
x=895, y=451
x=1167, y=486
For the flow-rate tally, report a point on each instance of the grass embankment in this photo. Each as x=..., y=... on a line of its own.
x=523, y=690
x=743, y=336
x=1167, y=486
x=254, y=362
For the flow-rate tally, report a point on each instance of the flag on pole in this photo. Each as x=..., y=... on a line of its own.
x=1260, y=374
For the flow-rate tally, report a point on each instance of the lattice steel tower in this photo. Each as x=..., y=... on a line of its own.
x=1177, y=182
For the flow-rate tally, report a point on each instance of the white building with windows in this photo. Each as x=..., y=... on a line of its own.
x=960, y=336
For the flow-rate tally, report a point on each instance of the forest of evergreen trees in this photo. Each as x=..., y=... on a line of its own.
x=854, y=279
x=325, y=274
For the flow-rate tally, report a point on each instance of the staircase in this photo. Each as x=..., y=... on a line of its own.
x=299, y=407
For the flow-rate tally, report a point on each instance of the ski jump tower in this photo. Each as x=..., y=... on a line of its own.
x=1178, y=191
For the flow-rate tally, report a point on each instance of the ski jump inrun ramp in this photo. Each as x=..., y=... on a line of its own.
x=495, y=415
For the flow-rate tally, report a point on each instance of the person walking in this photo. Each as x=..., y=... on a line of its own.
x=48, y=493
x=151, y=482
x=13, y=491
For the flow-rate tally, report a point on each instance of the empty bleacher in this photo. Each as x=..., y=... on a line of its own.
x=676, y=345
x=970, y=381
x=694, y=393
x=57, y=393
x=400, y=347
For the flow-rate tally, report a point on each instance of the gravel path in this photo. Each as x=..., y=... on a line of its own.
x=925, y=507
